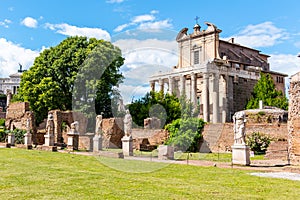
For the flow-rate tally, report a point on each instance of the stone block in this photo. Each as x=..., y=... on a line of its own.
x=165, y=152
x=97, y=143
x=127, y=146
x=240, y=155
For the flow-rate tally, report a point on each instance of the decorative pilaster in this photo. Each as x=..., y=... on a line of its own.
x=182, y=85
x=171, y=85
x=161, y=85
x=215, y=98
x=205, y=97
x=194, y=89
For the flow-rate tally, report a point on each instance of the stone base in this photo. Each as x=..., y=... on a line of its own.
x=46, y=148
x=110, y=154
x=49, y=140
x=165, y=152
x=97, y=143
x=127, y=145
x=73, y=141
x=24, y=146
x=240, y=155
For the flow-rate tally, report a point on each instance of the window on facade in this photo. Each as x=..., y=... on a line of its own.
x=196, y=57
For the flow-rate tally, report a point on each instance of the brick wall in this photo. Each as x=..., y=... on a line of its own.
x=294, y=119
x=273, y=130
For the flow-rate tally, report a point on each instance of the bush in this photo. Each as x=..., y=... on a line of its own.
x=185, y=134
x=3, y=135
x=2, y=122
x=19, y=135
x=258, y=142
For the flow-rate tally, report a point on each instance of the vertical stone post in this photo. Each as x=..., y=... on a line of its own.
x=11, y=139
x=194, y=89
x=294, y=120
x=182, y=85
x=152, y=86
x=127, y=145
x=161, y=85
x=73, y=136
x=205, y=97
x=216, y=111
x=171, y=85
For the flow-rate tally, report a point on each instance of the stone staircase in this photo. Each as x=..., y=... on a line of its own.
x=277, y=150
x=211, y=135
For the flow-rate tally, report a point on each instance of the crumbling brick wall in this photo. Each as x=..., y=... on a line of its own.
x=294, y=120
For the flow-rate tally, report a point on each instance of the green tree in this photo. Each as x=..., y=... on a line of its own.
x=50, y=82
x=185, y=133
x=265, y=90
x=156, y=104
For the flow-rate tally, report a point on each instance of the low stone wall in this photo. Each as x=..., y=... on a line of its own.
x=294, y=119
x=274, y=131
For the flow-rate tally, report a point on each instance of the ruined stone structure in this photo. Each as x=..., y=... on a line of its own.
x=17, y=115
x=294, y=120
x=271, y=122
x=112, y=129
x=218, y=75
x=68, y=117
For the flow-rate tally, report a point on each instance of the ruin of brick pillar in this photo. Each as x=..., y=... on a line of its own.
x=294, y=120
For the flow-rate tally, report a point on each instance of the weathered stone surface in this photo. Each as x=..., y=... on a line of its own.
x=112, y=133
x=127, y=145
x=165, y=152
x=240, y=155
x=294, y=120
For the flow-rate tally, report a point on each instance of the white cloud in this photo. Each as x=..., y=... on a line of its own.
x=114, y=1
x=11, y=55
x=146, y=22
x=285, y=63
x=164, y=24
x=143, y=58
x=143, y=18
x=5, y=23
x=29, y=22
x=260, y=35
x=69, y=30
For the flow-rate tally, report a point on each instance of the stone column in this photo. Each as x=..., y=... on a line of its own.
x=182, y=85
x=152, y=86
x=171, y=85
x=161, y=85
x=194, y=89
x=216, y=111
x=127, y=146
x=205, y=97
x=97, y=143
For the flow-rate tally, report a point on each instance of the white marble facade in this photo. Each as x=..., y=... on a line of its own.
x=212, y=72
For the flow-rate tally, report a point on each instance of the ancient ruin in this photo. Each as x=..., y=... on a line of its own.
x=217, y=75
x=294, y=120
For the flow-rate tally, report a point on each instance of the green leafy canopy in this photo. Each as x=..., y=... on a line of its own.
x=49, y=84
x=265, y=90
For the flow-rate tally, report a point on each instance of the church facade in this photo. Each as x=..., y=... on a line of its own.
x=217, y=75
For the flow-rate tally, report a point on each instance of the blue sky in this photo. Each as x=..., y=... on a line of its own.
x=27, y=27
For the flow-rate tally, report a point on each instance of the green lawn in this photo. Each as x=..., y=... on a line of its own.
x=30, y=174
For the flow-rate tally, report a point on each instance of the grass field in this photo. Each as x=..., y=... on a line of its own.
x=26, y=174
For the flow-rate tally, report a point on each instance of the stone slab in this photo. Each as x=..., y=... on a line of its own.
x=240, y=155
x=46, y=148
x=165, y=152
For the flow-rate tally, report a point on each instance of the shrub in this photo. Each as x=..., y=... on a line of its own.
x=2, y=122
x=3, y=135
x=19, y=135
x=185, y=134
x=258, y=142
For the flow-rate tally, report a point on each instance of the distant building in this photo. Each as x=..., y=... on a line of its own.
x=217, y=75
x=10, y=84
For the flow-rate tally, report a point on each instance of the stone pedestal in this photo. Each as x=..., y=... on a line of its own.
x=49, y=140
x=73, y=140
x=11, y=139
x=127, y=145
x=97, y=143
x=240, y=155
x=28, y=140
x=165, y=152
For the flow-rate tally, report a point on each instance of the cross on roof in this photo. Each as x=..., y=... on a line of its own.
x=196, y=19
